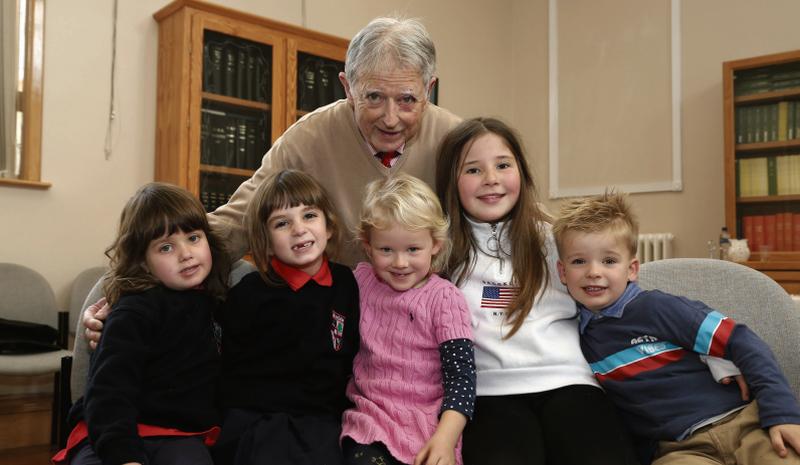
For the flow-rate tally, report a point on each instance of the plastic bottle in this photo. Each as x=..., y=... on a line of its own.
x=724, y=243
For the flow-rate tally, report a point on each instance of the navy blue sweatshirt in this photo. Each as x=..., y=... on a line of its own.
x=289, y=351
x=157, y=364
x=645, y=354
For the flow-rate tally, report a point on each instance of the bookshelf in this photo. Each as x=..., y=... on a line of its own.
x=229, y=84
x=762, y=161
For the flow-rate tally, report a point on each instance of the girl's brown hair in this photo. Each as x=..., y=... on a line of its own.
x=523, y=221
x=156, y=210
x=285, y=189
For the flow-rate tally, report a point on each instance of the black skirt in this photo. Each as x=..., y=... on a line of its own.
x=250, y=438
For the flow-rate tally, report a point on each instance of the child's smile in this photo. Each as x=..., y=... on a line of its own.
x=298, y=237
x=596, y=268
x=401, y=257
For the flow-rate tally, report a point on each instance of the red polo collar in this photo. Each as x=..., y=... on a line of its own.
x=298, y=278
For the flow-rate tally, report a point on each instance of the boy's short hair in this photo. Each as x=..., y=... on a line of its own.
x=410, y=203
x=605, y=212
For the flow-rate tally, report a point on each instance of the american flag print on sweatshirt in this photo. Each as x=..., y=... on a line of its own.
x=494, y=296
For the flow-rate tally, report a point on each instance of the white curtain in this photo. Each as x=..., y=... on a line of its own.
x=9, y=36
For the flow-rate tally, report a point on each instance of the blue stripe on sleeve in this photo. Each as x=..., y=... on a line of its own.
x=705, y=335
x=631, y=355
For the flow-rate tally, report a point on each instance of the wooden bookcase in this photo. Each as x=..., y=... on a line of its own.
x=229, y=84
x=762, y=161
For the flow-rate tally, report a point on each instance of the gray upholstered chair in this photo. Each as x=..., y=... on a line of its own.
x=26, y=296
x=742, y=293
x=80, y=288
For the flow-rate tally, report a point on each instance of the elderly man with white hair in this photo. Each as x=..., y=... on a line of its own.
x=385, y=126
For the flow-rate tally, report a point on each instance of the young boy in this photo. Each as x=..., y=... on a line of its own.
x=645, y=346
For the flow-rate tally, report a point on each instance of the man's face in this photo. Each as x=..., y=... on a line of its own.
x=388, y=106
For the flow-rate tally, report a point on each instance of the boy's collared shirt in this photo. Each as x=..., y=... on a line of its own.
x=614, y=310
x=297, y=278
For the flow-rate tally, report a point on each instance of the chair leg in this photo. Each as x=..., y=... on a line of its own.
x=54, y=410
x=64, y=401
x=61, y=404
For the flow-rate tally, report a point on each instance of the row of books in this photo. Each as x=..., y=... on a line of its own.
x=232, y=139
x=780, y=232
x=774, y=78
x=318, y=81
x=770, y=175
x=236, y=69
x=767, y=123
x=212, y=200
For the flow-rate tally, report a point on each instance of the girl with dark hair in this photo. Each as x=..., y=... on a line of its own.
x=151, y=396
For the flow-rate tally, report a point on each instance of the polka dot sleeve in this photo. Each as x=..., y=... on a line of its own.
x=458, y=376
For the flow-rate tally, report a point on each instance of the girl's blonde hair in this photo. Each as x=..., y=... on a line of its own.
x=156, y=210
x=523, y=223
x=409, y=203
x=285, y=189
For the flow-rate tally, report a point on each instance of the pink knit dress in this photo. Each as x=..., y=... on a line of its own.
x=397, y=374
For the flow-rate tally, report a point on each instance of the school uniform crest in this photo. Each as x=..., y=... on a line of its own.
x=337, y=329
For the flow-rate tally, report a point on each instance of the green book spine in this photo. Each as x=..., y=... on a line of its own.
x=757, y=128
x=772, y=176
x=773, y=122
x=739, y=117
x=737, y=178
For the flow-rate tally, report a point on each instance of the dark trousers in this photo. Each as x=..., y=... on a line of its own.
x=573, y=425
x=252, y=438
x=159, y=451
x=367, y=454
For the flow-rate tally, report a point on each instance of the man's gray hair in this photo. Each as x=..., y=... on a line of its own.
x=390, y=42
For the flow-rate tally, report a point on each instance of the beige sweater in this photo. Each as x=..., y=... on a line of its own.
x=328, y=145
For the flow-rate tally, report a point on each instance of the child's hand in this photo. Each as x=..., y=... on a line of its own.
x=742, y=385
x=440, y=448
x=437, y=451
x=782, y=434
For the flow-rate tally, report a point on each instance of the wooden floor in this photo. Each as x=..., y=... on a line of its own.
x=32, y=455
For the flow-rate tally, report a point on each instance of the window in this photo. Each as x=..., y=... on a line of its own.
x=22, y=56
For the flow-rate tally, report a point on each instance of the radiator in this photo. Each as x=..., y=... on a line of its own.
x=654, y=247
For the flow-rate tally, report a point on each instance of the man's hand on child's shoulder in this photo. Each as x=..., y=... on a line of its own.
x=781, y=435
x=93, y=318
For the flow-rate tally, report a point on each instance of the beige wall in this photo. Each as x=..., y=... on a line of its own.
x=492, y=61
x=63, y=230
x=713, y=31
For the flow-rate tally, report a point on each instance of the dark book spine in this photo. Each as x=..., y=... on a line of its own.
x=324, y=85
x=230, y=137
x=214, y=68
x=250, y=73
x=262, y=78
x=213, y=145
x=241, y=72
x=241, y=141
x=205, y=138
x=229, y=67
x=307, y=84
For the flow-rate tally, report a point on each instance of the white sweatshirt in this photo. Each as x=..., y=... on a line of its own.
x=545, y=353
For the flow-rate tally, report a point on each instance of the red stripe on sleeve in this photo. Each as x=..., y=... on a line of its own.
x=721, y=336
x=641, y=366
